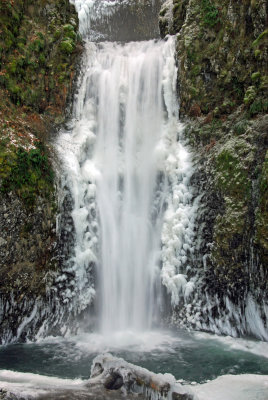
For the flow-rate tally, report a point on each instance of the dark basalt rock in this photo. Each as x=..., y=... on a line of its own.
x=177, y=396
x=114, y=381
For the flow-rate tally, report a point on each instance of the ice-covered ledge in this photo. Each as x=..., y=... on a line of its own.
x=117, y=374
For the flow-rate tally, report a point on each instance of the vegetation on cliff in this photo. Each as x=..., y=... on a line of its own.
x=39, y=45
x=222, y=58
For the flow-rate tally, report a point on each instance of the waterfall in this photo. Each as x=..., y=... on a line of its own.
x=118, y=167
x=130, y=120
x=133, y=212
x=126, y=221
x=129, y=214
x=128, y=174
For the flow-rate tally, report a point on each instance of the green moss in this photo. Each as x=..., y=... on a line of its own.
x=162, y=12
x=210, y=13
x=69, y=31
x=67, y=46
x=196, y=70
x=193, y=91
x=193, y=56
x=262, y=214
x=228, y=250
x=258, y=107
x=27, y=173
x=42, y=59
x=260, y=39
x=57, y=34
x=256, y=76
x=37, y=46
x=264, y=82
x=257, y=54
x=264, y=181
x=227, y=106
x=250, y=95
x=232, y=179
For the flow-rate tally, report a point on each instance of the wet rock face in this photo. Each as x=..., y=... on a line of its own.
x=27, y=244
x=222, y=56
x=130, y=22
x=40, y=46
x=223, y=53
x=166, y=18
x=28, y=262
x=231, y=178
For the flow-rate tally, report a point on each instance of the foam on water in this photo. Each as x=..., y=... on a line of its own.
x=159, y=341
x=133, y=341
x=250, y=346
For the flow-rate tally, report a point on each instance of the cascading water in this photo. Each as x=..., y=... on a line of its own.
x=128, y=175
x=121, y=150
x=130, y=125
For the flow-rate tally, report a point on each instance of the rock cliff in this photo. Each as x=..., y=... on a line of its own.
x=39, y=46
x=222, y=59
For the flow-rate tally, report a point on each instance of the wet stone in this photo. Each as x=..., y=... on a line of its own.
x=114, y=381
x=178, y=396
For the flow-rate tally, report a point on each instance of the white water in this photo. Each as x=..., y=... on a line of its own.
x=122, y=161
x=130, y=125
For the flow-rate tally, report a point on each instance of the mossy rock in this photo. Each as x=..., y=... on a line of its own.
x=262, y=212
x=67, y=46
x=28, y=173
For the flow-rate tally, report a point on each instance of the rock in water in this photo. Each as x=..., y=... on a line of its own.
x=115, y=373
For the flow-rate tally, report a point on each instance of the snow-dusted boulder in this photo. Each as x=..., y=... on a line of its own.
x=117, y=374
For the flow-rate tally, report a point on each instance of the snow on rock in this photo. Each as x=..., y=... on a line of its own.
x=116, y=373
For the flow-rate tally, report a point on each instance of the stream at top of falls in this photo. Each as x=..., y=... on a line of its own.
x=126, y=171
